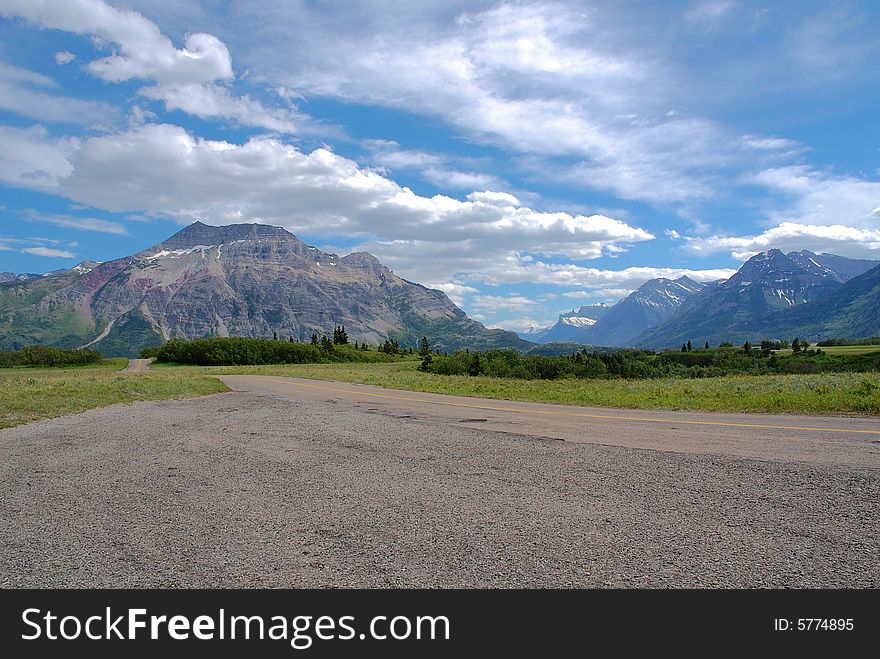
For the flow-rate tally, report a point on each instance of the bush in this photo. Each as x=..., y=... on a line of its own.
x=643, y=364
x=47, y=356
x=239, y=351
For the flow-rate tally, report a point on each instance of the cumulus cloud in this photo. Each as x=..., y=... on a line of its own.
x=791, y=236
x=187, y=79
x=163, y=170
x=815, y=210
x=30, y=158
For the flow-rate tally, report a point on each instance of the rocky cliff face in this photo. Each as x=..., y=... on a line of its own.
x=257, y=280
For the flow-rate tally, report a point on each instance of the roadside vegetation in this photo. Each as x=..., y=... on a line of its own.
x=824, y=393
x=768, y=378
x=231, y=351
x=30, y=394
x=646, y=364
x=35, y=356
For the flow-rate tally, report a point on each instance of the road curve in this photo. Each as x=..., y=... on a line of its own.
x=785, y=438
x=137, y=366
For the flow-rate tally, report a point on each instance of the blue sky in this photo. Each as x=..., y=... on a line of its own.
x=526, y=158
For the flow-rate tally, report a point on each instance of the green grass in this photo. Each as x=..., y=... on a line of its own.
x=825, y=393
x=850, y=350
x=30, y=394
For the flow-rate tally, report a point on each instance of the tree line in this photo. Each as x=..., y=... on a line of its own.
x=643, y=364
x=48, y=356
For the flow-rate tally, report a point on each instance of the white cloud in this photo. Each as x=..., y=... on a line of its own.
x=79, y=223
x=211, y=101
x=820, y=198
x=30, y=158
x=455, y=291
x=547, y=80
x=163, y=170
x=49, y=252
x=523, y=324
x=790, y=236
x=444, y=171
x=187, y=79
x=143, y=51
x=494, y=303
x=815, y=210
x=64, y=57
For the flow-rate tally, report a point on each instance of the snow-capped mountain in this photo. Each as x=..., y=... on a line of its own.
x=767, y=282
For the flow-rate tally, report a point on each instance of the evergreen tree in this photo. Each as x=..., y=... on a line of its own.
x=706, y=347
x=314, y=339
x=274, y=336
x=326, y=344
x=690, y=347
x=796, y=345
x=684, y=347
x=747, y=347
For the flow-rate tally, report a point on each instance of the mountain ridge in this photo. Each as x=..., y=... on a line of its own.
x=241, y=280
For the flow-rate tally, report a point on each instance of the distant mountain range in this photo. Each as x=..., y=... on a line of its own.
x=568, y=327
x=773, y=295
x=258, y=280
x=776, y=295
x=240, y=280
x=621, y=324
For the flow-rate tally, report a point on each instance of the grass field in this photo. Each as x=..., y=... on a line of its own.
x=850, y=350
x=826, y=393
x=29, y=394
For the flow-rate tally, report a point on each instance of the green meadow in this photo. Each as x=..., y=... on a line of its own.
x=30, y=394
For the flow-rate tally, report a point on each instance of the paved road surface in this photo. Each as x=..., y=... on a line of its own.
x=820, y=440
x=288, y=488
x=137, y=366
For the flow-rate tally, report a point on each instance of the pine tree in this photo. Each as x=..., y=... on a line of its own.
x=274, y=336
x=684, y=347
x=314, y=339
x=424, y=347
x=747, y=347
x=690, y=347
x=706, y=347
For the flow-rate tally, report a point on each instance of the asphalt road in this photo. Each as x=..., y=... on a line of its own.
x=281, y=484
x=137, y=366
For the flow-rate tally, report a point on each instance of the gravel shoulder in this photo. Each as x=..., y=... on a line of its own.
x=252, y=489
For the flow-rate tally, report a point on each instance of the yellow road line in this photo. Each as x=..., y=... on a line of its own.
x=726, y=424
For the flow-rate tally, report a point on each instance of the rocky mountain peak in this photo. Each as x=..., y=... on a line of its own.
x=199, y=233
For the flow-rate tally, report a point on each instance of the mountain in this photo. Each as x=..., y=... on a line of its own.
x=7, y=276
x=240, y=280
x=620, y=324
x=839, y=268
x=852, y=311
x=767, y=283
x=534, y=332
x=569, y=325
